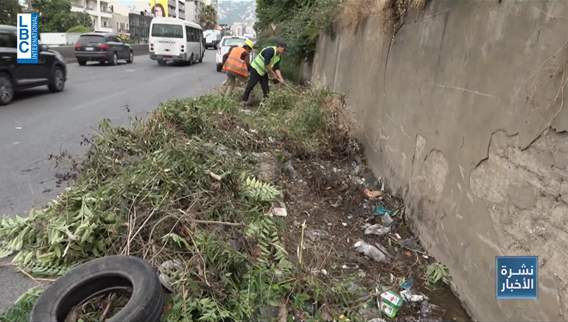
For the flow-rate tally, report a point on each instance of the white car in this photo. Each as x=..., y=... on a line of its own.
x=224, y=45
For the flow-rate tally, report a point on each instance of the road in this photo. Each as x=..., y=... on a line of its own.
x=39, y=123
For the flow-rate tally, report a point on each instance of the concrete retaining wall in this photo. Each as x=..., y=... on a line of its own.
x=69, y=54
x=463, y=111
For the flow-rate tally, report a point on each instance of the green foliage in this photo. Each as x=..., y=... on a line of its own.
x=9, y=10
x=21, y=310
x=208, y=17
x=299, y=22
x=140, y=189
x=56, y=16
x=259, y=191
x=79, y=29
x=436, y=273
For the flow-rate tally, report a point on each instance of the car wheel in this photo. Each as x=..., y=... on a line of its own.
x=161, y=62
x=201, y=58
x=130, y=59
x=57, y=80
x=102, y=275
x=219, y=68
x=191, y=60
x=113, y=60
x=6, y=89
x=81, y=62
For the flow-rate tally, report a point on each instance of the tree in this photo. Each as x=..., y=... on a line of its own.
x=208, y=17
x=79, y=29
x=56, y=16
x=9, y=10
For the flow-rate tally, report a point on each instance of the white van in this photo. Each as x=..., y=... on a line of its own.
x=175, y=40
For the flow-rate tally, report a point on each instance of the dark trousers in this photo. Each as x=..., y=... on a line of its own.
x=255, y=78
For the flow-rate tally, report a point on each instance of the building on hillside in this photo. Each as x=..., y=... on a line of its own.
x=176, y=9
x=119, y=21
x=100, y=10
x=238, y=29
x=193, y=10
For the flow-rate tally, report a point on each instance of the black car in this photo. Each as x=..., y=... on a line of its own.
x=102, y=47
x=50, y=70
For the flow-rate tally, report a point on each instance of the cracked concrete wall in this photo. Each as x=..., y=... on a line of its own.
x=463, y=112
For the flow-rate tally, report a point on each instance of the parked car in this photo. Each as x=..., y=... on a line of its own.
x=50, y=70
x=102, y=47
x=224, y=46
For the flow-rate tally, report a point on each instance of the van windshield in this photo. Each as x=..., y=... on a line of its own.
x=167, y=30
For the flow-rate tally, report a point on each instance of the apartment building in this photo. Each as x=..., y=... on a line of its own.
x=100, y=10
x=193, y=10
x=176, y=9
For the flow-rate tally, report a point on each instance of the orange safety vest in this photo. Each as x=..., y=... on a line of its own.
x=235, y=64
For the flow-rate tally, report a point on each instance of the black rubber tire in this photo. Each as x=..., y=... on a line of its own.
x=99, y=275
x=219, y=68
x=57, y=80
x=201, y=58
x=81, y=62
x=113, y=60
x=130, y=59
x=162, y=62
x=6, y=89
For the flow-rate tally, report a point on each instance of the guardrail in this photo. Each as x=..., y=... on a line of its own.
x=68, y=52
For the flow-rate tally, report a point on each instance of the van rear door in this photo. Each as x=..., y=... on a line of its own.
x=167, y=39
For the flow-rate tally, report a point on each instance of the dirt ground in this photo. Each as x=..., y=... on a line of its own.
x=327, y=194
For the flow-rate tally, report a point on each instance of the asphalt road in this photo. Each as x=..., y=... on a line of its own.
x=39, y=123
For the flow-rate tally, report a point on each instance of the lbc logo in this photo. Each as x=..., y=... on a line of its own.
x=28, y=34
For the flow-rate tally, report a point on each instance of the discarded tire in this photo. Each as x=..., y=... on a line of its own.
x=98, y=276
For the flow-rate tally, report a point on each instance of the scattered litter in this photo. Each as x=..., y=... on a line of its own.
x=384, y=250
x=390, y=303
x=377, y=229
x=279, y=211
x=412, y=297
x=316, y=234
x=387, y=220
x=372, y=194
x=215, y=176
x=397, y=236
x=380, y=210
x=431, y=312
x=410, y=243
x=370, y=251
x=407, y=283
x=377, y=320
x=344, y=224
x=167, y=270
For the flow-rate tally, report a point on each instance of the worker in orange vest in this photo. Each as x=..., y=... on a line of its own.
x=237, y=65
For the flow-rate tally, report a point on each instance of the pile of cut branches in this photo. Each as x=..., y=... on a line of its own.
x=181, y=186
